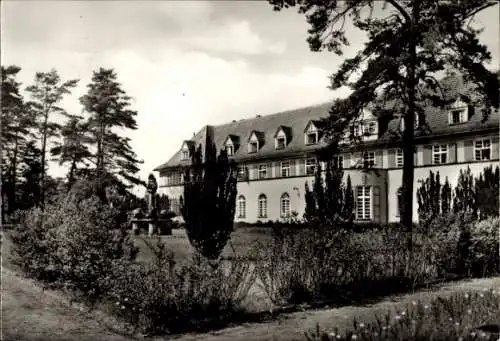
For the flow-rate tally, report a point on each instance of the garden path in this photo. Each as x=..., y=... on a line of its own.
x=31, y=314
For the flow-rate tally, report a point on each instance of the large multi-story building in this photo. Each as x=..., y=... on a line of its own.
x=276, y=157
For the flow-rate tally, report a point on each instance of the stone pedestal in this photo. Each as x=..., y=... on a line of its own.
x=135, y=227
x=151, y=228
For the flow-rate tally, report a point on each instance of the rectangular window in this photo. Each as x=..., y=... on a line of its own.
x=285, y=169
x=399, y=158
x=230, y=150
x=312, y=138
x=174, y=179
x=440, y=154
x=185, y=154
x=310, y=166
x=253, y=147
x=262, y=171
x=368, y=159
x=482, y=149
x=280, y=143
x=363, y=203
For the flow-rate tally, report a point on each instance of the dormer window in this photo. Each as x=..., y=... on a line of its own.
x=457, y=116
x=282, y=137
x=280, y=142
x=370, y=128
x=231, y=144
x=458, y=113
x=253, y=147
x=311, y=134
x=255, y=141
x=185, y=150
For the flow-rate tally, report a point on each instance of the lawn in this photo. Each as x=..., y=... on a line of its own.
x=240, y=245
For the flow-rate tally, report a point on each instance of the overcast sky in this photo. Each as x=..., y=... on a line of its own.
x=186, y=64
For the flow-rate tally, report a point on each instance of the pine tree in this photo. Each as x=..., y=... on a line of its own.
x=209, y=200
x=74, y=147
x=16, y=125
x=108, y=106
x=46, y=94
x=420, y=38
x=31, y=172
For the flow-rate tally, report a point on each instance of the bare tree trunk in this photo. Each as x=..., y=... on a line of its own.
x=408, y=143
x=44, y=147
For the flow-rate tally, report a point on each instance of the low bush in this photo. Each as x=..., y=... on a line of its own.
x=71, y=245
x=463, y=316
x=484, y=249
x=340, y=265
x=167, y=297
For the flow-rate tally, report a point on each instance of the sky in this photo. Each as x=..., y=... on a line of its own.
x=185, y=64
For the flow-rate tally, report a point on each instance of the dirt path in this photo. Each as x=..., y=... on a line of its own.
x=30, y=314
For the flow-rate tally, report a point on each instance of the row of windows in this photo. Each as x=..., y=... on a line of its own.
x=440, y=154
x=262, y=206
x=364, y=199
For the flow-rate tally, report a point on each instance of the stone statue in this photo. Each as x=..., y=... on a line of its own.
x=152, y=187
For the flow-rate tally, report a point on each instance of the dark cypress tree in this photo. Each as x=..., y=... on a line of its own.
x=209, y=200
x=446, y=198
x=464, y=201
x=486, y=190
x=348, y=208
x=310, y=212
x=428, y=198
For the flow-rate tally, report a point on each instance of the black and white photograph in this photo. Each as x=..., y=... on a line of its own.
x=266, y=170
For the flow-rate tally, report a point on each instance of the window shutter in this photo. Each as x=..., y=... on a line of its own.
x=415, y=158
x=468, y=150
x=292, y=167
x=494, y=148
x=277, y=170
x=427, y=155
x=347, y=161
x=302, y=167
x=452, y=153
x=378, y=159
x=376, y=204
x=270, y=170
x=392, y=158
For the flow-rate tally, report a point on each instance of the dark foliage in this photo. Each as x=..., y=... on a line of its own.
x=209, y=200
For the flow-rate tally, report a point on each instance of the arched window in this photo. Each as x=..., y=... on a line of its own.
x=242, y=209
x=285, y=205
x=262, y=207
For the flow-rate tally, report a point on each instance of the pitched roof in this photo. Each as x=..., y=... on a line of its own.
x=296, y=121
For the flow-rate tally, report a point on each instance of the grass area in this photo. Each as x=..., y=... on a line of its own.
x=241, y=242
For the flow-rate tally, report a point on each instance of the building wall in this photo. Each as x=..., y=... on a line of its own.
x=274, y=188
x=388, y=179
